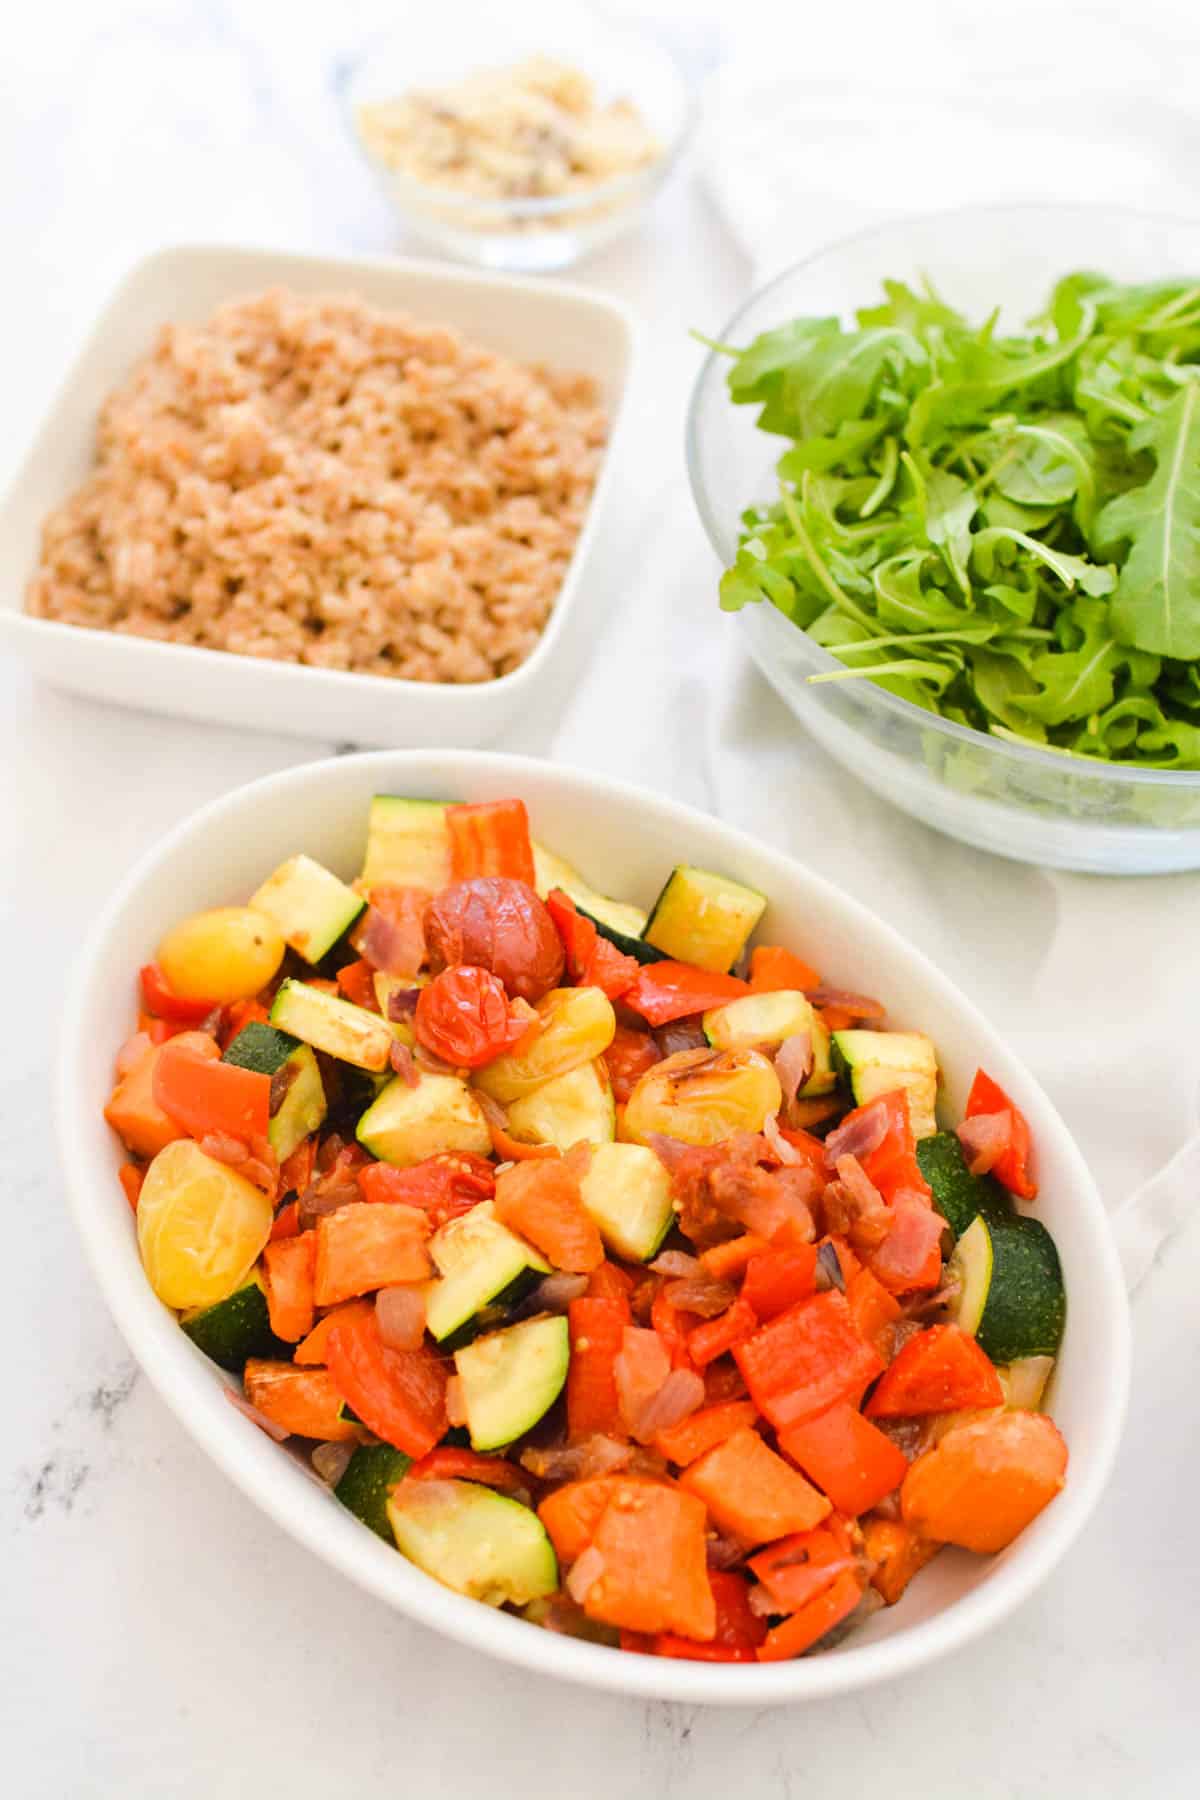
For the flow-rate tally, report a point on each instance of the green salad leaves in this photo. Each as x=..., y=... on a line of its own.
x=1004, y=530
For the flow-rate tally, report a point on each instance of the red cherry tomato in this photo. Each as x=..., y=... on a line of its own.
x=500, y=925
x=445, y=1186
x=463, y=1016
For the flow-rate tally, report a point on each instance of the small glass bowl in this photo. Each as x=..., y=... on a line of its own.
x=521, y=234
x=1037, y=806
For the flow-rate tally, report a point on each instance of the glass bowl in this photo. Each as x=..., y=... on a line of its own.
x=522, y=233
x=1038, y=806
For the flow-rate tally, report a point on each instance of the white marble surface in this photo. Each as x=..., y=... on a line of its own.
x=157, y=1636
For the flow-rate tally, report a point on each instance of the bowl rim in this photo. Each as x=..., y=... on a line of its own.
x=349, y=682
x=523, y=207
x=1031, y=755
x=251, y=1461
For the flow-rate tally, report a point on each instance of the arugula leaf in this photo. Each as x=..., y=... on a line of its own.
x=1001, y=527
x=1157, y=603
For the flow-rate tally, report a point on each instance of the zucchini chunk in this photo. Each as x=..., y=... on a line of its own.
x=763, y=1021
x=510, y=1379
x=704, y=918
x=571, y=1109
x=236, y=1328
x=1011, y=1295
x=311, y=908
x=627, y=1191
x=407, y=1124
x=477, y=1542
x=616, y=917
x=880, y=1062
x=480, y=1263
x=407, y=843
x=367, y=1482
x=350, y=1033
x=578, y=1024
x=300, y=1108
x=958, y=1195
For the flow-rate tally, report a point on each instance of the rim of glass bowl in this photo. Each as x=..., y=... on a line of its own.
x=724, y=542
x=527, y=206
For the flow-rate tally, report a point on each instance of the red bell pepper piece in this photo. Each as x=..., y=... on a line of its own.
x=206, y=1096
x=811, y=1149
x=806, y=1360
x=1012, y=1168
x=739, y=1631
x=400, y=1395
x=848, y=1458
x=810, y=1624
x=666, y=1321
x=296, y=1170
x=131, y=1176
x=592, y=961
x=357, y=982
x=577, y=933
x=799, y=1567
x=940, y=1370
x=716, y=1336
x=873, y=1310
x=287, y=1222
x=238, y=1014
x=597, y=1332
x=490, y=839
x=164, y=1004
x=702, y=1431
x=778, y=1278
x=610, y=1282
x=450, y=1463
x=674, y=990
x=445, y=1185
x=892, y=1164
x=773, y=969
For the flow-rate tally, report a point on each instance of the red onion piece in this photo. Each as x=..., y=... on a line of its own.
x=402, y=1004
x=859, y=1135
x=678, y=1397
x=331, y=1461
x=400, y=1311
x=556, y=1292
x=984, y=1139
x=669, y=1151
x=223, y=1148
x=641, y=1368
x=861, y=1005
x=676, y=1262
x=401, y=1059
x=681, y=1034
x=394, y=946
x=793, y=1062
x=703, y=1295
x=585, y=1573
x=322, y=1197
x=858, y=1184
x=723, y=1552
x=761, y=1603
x=273, y=1431
x=781, y=1149
x=828, y=1273
x=456, y=1412
x=596, y=1455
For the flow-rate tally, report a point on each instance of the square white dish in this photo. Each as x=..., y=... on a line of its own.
x=559, y=325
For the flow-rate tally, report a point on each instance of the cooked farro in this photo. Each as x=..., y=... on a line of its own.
x=322, y=482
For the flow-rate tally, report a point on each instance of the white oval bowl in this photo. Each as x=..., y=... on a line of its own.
x=623, y=840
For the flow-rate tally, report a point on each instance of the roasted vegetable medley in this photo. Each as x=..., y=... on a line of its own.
x=616, y=1272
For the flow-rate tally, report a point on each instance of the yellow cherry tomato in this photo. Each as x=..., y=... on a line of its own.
x=201, y=1226
x=703, y=1097
x=227, y=954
